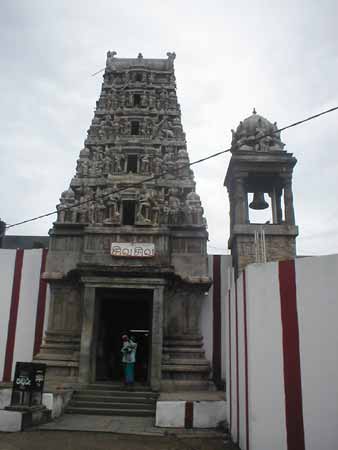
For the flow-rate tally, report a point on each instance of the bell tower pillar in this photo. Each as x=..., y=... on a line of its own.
x=260, y=170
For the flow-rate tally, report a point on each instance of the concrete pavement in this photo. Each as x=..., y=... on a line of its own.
x=144, y=426
x=65, y=440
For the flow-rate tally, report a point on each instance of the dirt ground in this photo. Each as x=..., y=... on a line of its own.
x=73, y=440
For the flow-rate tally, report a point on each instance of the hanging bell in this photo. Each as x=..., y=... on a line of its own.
x=258, y=201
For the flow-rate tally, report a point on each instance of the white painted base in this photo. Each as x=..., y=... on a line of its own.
x=5, y=397
x=170, y=414
x=209, y=414
x=56, y=402
x=206, y=414
x=10, y=421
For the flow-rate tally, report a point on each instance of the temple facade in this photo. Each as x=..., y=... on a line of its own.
x=128, y=250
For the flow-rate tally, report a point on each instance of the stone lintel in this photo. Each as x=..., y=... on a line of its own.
x=259, y=163
x=124, y=231
x=123, y=283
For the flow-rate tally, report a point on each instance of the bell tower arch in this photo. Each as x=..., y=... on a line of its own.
x=259, y=177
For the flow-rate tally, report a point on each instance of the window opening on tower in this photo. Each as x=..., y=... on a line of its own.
x=137, y=99
x=128, y=212
x=138, y=76
x=135, y=127
x=132, y=163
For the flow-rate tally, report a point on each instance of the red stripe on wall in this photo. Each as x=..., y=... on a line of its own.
x=246, y=363
x=230, y=364
x=216, y=304
x=291, y=357
x=189, y=414
x=41, y=307
x=13, y=316
x=237, y=363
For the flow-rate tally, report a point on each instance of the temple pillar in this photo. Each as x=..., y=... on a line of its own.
x=157, y=339
x=87, y=335
x=288, y=202
x=241, y=210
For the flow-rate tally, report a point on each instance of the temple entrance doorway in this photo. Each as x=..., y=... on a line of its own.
x=123, y=311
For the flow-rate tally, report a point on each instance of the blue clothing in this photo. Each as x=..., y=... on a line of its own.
x=129, y=373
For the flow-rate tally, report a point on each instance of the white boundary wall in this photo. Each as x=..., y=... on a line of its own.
x=214, y=310
x=285, y=312
x=24, y=327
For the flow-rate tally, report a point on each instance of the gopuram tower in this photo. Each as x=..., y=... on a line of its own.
x=259, y=165
x=128, y=249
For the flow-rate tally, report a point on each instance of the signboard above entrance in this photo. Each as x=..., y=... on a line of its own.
x=132, y=250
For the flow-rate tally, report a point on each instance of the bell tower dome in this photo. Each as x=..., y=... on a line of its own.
x=260, y=166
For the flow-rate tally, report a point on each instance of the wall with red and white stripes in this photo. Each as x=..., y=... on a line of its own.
x=24, y=300
x=281, y=353
x=213, y=314
x=271, y=335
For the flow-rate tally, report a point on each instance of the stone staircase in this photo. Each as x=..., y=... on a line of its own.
x=184, y=366
x=113, y=400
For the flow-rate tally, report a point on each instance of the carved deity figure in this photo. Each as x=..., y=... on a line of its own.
x=172, y=100
x=119, y=161
x=157, y=164
x=174, y=206
x=143, y=214
x=163, y=100
x=152, y=100
x=194, y=203
x=61, y=212
x=145, y=164
x=113, y=208
x=144, y=100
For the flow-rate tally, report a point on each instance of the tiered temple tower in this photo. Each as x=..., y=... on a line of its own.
x=125, y=232
x=260, y=165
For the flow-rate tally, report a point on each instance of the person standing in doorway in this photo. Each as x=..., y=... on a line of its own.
x=129, y=347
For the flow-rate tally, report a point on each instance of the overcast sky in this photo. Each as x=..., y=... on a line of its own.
x=279, y=57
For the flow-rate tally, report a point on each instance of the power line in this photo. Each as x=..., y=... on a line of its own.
x=173, y=171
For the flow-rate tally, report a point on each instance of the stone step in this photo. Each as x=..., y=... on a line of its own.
x=188, y=361
x=111, y=405
x=55, y=356
x=184, y=344
x=116, y=388
x=80, y=396
x=170, y=385
x=115, y=393
x=185, y=368
x=58, y=363
x=185, y=349
x=138, y=387
x=178, y=337
x=66, y=348
x=111, y=412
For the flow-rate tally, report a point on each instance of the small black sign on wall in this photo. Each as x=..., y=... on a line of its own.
x=28, y=384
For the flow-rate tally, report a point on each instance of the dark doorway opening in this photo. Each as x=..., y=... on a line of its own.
x=137, y=99
x=132, y=163
x=128, y=212
x=123, y=311
x=135, y=127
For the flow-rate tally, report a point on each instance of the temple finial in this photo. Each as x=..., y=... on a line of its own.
x=254, y=111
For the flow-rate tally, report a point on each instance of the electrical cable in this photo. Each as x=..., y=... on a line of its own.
x=173, y=171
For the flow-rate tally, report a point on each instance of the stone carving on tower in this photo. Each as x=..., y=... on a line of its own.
x=259, y=165
x=133, y=184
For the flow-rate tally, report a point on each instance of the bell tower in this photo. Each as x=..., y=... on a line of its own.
x=260, y=167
